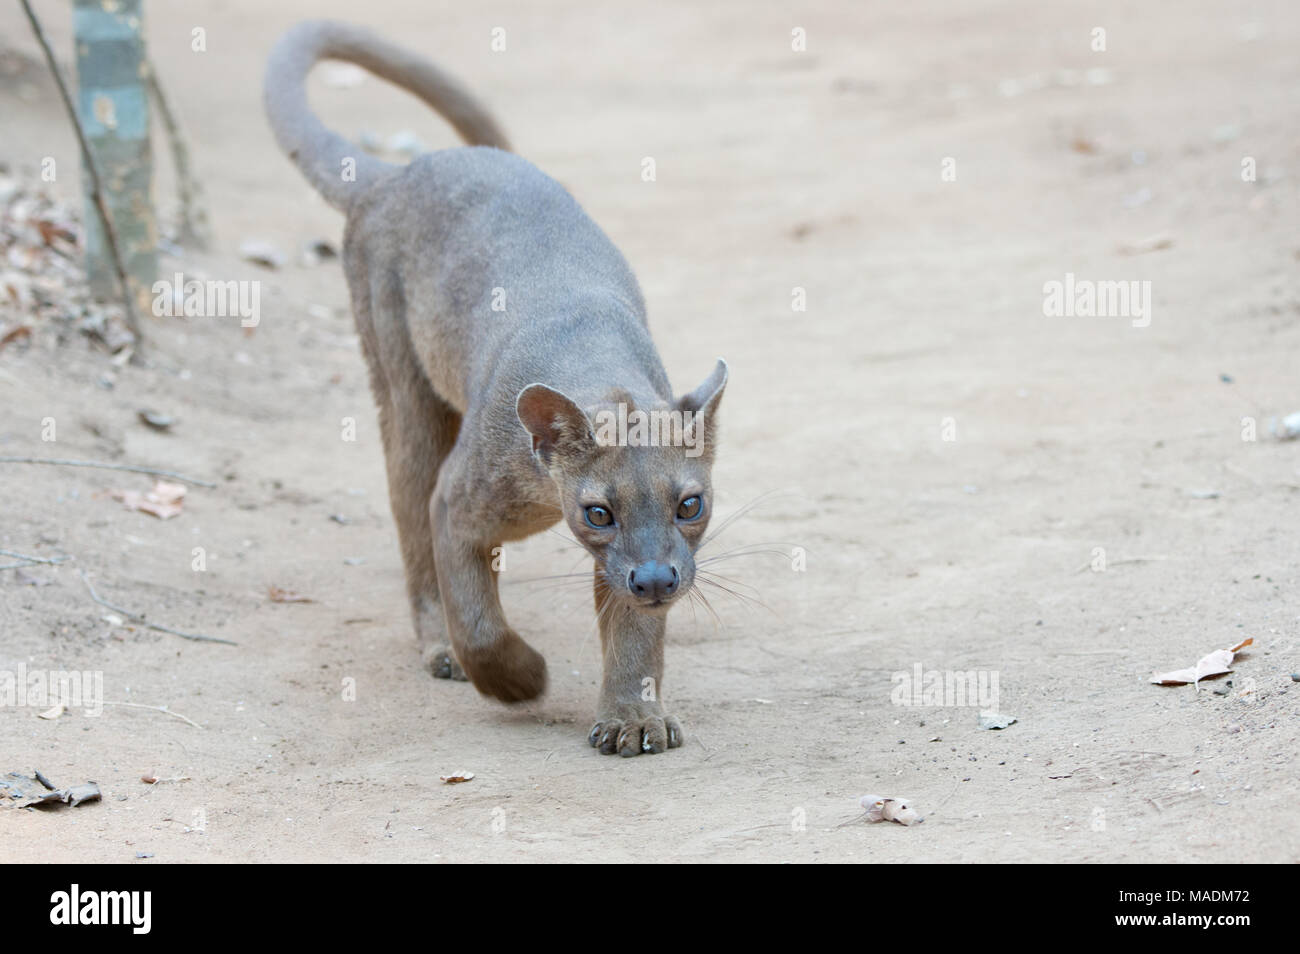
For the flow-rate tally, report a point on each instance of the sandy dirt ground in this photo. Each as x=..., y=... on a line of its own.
x=823, y=170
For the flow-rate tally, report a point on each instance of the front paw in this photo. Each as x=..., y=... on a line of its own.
x=506, y=668
x=631, y=730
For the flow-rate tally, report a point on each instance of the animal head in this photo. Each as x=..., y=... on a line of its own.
x=634, y=482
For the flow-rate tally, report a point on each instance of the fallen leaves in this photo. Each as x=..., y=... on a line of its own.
x=28, y=791
x=42, y=278
x=279, y=595
x=456, y=778
x=882, y=808
x=73, y=795
x=995, y=720
x=13, y=334
x=163, y=501
x=1212, y=664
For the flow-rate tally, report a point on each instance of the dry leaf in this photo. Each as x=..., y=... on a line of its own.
x=287, y=596
x=1213, y=664
x=52, y=231
x=456, y=777
x=163, y=501
x=995, y=720
x=13, y=334
x=881, y=808
x=73, y=795
x=53, y=712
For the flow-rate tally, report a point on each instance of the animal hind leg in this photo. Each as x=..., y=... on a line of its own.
x=419, y=429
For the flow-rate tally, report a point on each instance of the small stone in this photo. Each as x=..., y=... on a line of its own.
x=261, y=253
x=159, y=422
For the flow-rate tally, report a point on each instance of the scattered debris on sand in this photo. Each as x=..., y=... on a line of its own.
x=996, y=720
x=882, y=808
x=42, y=275
x=30, y=791
x=163, y=501
x=1213, y=664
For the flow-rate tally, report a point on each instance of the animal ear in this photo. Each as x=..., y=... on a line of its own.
x=705, y=398
x=555, y=422
x=702, y=406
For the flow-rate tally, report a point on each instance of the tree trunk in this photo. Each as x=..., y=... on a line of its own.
x=113, y=105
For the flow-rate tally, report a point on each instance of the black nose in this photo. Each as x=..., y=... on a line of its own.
x=653, y=580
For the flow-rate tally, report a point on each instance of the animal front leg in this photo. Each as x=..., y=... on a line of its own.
x=495, y=657
x=630, y=717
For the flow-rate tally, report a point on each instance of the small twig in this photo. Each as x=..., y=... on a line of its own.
x=741, y=831
x=136, y=617
x=1110, y=563
x=152, y=780
x=193, y=217
x=164, y=709
x=31, y=560
x=105, y=466
x=92, y=172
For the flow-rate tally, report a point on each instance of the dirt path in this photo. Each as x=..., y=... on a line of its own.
x=775, y=170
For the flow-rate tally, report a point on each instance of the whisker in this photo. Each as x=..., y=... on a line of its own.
x=580, y=575
x=553, y=576
x=749, y=550
x=718, y=624
x=691, y=600
x=718, y=576
x=569, y=540
x=761, y=498
x=705, y=578
x=742, y=597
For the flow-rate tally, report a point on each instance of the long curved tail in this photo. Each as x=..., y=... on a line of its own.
x=321, y=153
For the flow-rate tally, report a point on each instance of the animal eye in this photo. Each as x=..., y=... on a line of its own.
x=599, y=517
x=689, y=508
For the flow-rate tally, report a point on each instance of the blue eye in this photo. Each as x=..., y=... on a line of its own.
x=690, y=508
x=599, y=517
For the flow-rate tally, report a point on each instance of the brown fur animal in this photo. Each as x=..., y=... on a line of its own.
x=509, y=355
